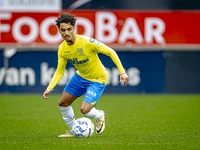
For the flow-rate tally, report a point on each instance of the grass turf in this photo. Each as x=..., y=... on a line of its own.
x=132, y=122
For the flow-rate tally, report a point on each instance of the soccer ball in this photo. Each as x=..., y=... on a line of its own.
x=83, y=128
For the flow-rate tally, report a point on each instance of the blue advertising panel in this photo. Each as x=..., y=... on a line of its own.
x=183, y=72
x=31, y=72
x=146, y=71
x=1, y=58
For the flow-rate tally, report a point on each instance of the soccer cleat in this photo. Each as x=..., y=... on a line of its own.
x=100, y=123
x=67, y=134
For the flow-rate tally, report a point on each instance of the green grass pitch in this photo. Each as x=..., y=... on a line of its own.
x=132, y=122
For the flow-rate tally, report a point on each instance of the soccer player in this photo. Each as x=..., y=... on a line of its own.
x=90, y=78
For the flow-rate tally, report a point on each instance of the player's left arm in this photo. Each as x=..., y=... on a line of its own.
x=113, y=55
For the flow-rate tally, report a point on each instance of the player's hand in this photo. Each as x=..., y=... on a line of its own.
x=124, y=77
x=46, y=93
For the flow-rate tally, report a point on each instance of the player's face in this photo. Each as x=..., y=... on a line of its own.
x=67, y=32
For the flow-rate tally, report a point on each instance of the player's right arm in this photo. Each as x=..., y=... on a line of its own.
x=57, y=75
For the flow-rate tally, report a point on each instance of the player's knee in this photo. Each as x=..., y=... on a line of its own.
x=60, y=103
x=63, y=104
x=84, y=110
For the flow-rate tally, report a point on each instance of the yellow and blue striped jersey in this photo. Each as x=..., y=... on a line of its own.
x=83, y=55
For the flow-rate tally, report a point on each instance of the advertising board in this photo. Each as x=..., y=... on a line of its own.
x=31, y=5
x=114, y=28
x=31, y=72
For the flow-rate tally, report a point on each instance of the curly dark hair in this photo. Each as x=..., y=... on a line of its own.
x=66, y=18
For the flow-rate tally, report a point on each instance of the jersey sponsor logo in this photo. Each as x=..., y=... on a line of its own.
x=98, y=43
x=80, y=51
x=75, y=61
x=92, y=40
